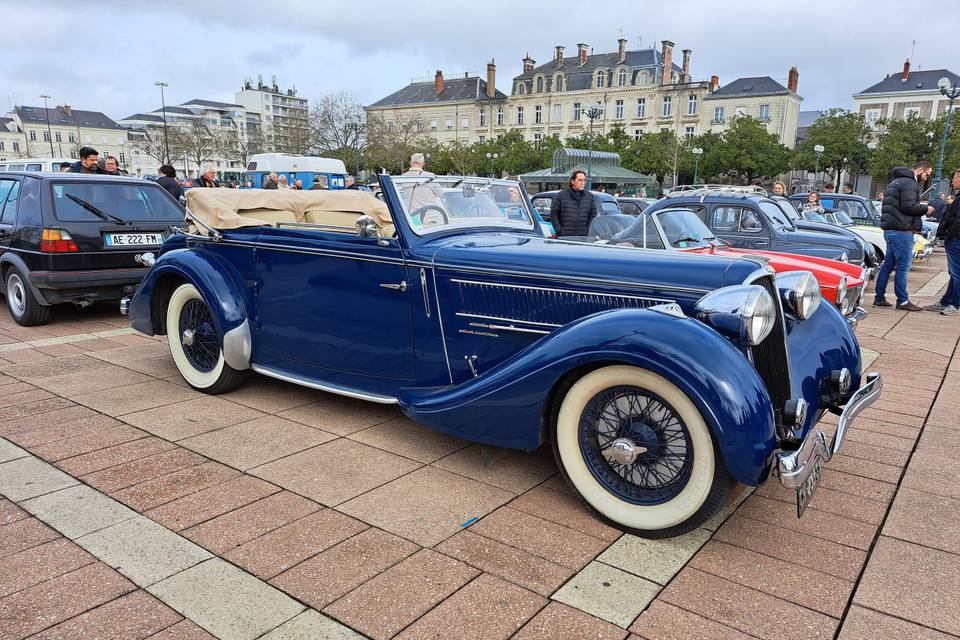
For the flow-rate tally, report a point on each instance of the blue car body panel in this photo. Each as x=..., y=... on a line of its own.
x=470, y=332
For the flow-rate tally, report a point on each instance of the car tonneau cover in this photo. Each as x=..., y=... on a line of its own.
x=235, y=208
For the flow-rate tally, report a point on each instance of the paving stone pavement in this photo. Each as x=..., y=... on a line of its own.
x=133, y=507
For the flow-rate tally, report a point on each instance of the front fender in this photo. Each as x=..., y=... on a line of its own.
x=504, y=406
x=219, y=284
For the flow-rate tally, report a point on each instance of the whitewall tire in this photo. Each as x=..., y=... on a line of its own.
x=637, y=450
x=195, y=343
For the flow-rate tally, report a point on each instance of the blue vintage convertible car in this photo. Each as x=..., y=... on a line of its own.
x=660, y=379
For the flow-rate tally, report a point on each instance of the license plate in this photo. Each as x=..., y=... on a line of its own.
x=133, y=239
x=805, y=490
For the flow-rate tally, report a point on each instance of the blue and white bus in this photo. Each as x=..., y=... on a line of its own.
x=332, y=172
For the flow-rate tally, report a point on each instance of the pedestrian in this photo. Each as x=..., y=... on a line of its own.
x=779, y=189
x=282, y=182
x=350, y=183
x=168, y=180
x=89, y=157
x=901, y=217
x=828, y=188
x=573, y=208
x=417, y=162
x=111, y=166
x=64, y=167
x=318, y=184
x=813, y=203
x=939, y=205
x=949, y=233
x=270, y=181
x=602, y=188
x=847, y=187
x=298, y=185
x=208, y=178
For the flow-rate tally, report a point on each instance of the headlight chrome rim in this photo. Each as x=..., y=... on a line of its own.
x=800, y=293
x=746, y=313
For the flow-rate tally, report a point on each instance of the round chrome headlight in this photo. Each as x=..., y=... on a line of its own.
x=745, y=313
x=800, y=292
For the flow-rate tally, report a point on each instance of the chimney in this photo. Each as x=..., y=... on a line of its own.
x=438, y=82
x=558, y=56
x=686, y=65
x=906, y=70
x=792, y=79
x=582, y=53
x=67, y=110
x=622, y=49
x=667, y=62
x=491, y=79
x=528, y=64
x=714, y=83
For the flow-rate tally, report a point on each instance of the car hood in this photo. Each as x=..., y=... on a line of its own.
x=823, y=238
x=580, y=262
x=827, y=272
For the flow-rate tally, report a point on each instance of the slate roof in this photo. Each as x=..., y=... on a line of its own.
x=749, y=87
x=579, y=77
x=917, y=81
x=144, y=116
x=454, y=90
x=807, y=118
x=213, y=103
x=91, y=119
x=182, y=110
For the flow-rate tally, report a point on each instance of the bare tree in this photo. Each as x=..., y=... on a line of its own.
x=239, y=144
x=338, y=127
x=199, y=143
x=151, y=142
x=291, y=135
x=390, y=143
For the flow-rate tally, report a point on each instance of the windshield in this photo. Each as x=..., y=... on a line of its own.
x=812, y=216
x=842, y=218
x=788, y=209
x=77, y=201
x=852, y=209
x=685, y=230
x=777, y=217
x=436, y=203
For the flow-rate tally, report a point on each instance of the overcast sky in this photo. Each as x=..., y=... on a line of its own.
x=107, y=57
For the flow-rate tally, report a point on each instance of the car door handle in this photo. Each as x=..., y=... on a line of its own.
x=396, y=287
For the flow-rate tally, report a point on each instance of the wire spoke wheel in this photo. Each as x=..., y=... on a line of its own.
x=198, y=335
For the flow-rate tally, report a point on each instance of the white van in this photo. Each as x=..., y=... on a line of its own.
x=41, y=165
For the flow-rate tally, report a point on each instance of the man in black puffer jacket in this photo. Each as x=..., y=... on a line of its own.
x=949, y=232
x=573, y=208
x=901, y=217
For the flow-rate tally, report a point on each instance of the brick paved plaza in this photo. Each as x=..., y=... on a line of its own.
x=134, y=507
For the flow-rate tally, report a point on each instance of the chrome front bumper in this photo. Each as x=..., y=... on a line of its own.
x=125, y=305
x=858, y=314
x=794, y=467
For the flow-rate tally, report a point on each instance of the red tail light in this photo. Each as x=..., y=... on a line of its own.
x=57, y=241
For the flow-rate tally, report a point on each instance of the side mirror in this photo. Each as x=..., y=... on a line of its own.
x=367, y=227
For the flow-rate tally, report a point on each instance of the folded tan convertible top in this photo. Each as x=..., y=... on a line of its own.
x=235, y=208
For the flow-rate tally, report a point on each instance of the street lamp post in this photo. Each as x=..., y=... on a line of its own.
x=163, y=106
x=697, y=152
x=592, y=114
x=46, y=110
x=356, y=136
x=952, y=93
x=818, y=149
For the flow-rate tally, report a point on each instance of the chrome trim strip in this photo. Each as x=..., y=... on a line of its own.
x=862, y=398
x=500, y=327
x=426, y=294
x=322, y=386
x=237, y=346
x=575, y=291
x=767, y=271
x=499, y=319
x=443, y=335
x=618, y=283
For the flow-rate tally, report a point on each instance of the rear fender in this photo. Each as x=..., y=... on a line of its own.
x=219, y=284
x=505, y=406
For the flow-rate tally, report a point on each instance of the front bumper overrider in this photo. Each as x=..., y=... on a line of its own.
x=854, y=318
x=794, y=467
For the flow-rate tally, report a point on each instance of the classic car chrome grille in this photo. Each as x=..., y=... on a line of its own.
x=770, y=356
x=542, y=306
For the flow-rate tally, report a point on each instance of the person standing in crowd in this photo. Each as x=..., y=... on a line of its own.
x=64, y=167
x=350, y=183
x=208, y=178
x=270, y=181
x=828, y=188
x=779, y=189
x=847, y=187
x=939, y=204
x=901, y=217
x=573, y=208
x=111, y=166
x=168, y=180
x=813, y=203
x=318, y=184
x=87, y=162
x=282, y=182
x=417, y=162
x=949, y=233
x=298, y=185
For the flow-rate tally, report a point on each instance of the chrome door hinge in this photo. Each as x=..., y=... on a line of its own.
x=472, y=363
x=426, y=294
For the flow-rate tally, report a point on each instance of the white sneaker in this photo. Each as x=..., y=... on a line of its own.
x=950, y=310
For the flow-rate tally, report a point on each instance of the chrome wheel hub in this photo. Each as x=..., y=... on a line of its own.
x=624, y=451
x=16, y=296
x=187, y=337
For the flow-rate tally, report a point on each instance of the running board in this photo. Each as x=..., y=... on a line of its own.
x=323, y=386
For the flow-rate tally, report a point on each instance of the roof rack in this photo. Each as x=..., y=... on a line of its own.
x=709, y=189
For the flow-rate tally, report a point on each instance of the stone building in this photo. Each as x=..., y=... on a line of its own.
x=69, y=130
x=762, y=98
x=900, y=95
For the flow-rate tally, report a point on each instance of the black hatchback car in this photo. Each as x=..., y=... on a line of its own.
x=755, y=221
x=76, y=238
